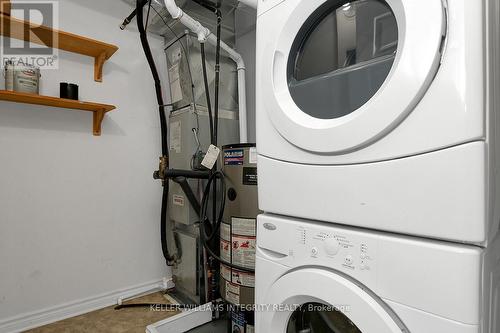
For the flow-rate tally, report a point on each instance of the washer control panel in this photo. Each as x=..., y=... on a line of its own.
x=320, y=244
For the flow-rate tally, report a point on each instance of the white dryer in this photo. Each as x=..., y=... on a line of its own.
x=317, y=277
x=381, y=114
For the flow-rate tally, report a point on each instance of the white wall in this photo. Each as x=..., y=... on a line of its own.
x=79, y=215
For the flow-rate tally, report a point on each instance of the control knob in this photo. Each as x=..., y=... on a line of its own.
x=332, y=246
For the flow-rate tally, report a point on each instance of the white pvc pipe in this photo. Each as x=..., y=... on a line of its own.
x=205, y=35
x=242, y=94
x=186, y=20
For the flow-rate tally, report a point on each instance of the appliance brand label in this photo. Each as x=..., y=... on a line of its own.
x=234, y=157
x=269, y=226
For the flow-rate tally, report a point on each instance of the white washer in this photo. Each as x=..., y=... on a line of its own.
x=381, y=283
x=381, y=114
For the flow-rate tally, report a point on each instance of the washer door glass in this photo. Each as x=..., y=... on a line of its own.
x=309, y=299
x=337, y=75
x=342, y=56
x=316, y=318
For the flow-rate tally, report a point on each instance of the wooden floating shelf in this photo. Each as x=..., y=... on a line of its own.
x=42, y=35
x=99, y=110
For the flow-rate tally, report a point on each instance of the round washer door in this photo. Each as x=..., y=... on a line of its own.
x=338, y=75
x=329, y=304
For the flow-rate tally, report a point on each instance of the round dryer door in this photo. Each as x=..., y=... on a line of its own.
x=338, y=75
x=333, y=305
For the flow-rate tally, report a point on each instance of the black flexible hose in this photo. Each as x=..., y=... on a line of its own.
x=216, y=106
x=207, y=91
x=217, y=219
x=163, y=225
x=163, y=126
x=147, y=16
x=127, y=20
x=131, y=16
x=206, y=239
x=204, y=205
x=154, y=72
x=217, y=75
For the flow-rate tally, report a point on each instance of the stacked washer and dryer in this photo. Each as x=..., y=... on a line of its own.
x=378, y=134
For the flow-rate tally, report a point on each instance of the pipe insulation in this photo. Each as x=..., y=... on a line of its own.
x=205, y=35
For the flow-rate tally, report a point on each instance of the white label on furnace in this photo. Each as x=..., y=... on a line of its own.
x=178, y=200
x=243, y=278
x=244, y=251
x=211, y=157
x=225, y=231
x=176, y=136
x=232, y=293
x=243, y=227
x=252, y=159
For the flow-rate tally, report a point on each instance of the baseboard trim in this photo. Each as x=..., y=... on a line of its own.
x=72, y=309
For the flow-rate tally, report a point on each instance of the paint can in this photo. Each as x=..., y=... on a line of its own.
x=22, y=78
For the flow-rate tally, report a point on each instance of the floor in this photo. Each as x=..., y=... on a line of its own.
x=109, y=320
x=218, y=326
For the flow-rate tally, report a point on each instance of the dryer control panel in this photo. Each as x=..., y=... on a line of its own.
x=294, y=243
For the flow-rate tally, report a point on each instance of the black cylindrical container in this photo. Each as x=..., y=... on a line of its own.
x=68, y=90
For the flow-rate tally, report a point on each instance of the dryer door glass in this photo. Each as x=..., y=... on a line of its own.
x=315, y=318
x=342, y=56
